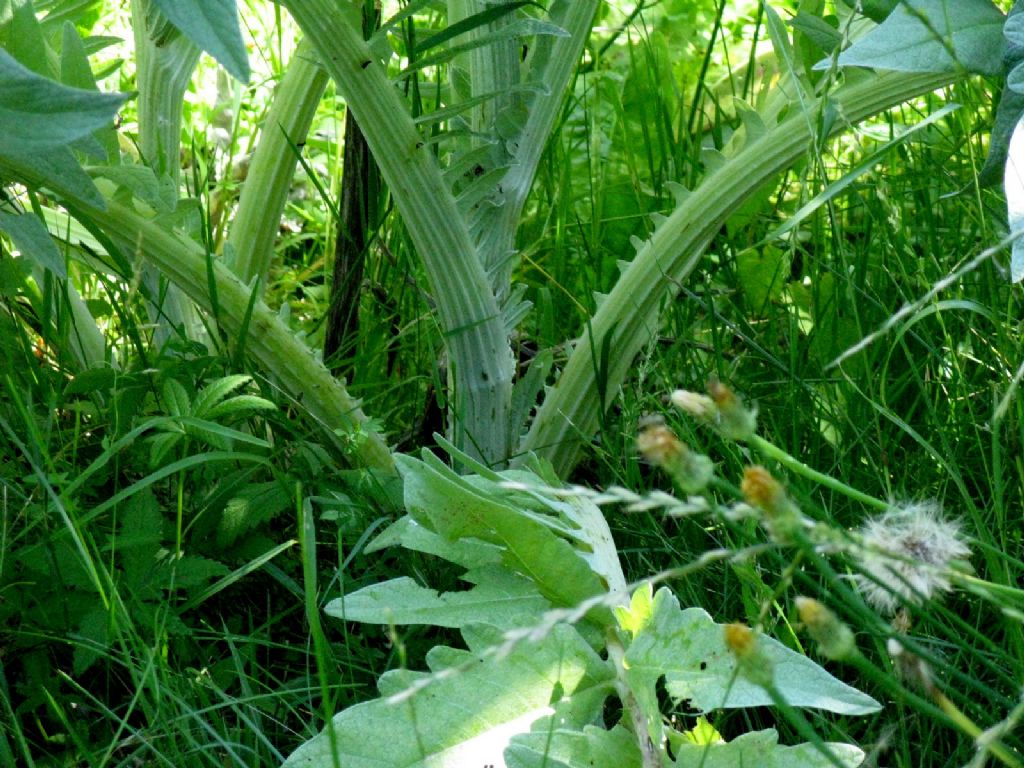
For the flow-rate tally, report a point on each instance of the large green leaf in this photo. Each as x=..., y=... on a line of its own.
x=451, y=506
x=213, y=26
x=689, y=649
x=932, y=36
x=499, y=598
x=465, y=717
x=761, y=749
x=38, y=114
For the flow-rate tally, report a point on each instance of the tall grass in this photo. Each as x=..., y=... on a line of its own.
x=219, y=657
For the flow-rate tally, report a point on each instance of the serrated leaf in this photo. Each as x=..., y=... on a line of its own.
x=191, y=571
x=499, y=598
x=214, y=392
x=32, y=238
x=1013, y=182
x=213, y=26
x=761, y=749
x=38, y=114
x=176, y=398
x=688, y=648
x=253, y=505
x=240, y=404
x=219, y=435
x=919, y=35
x=465, y=719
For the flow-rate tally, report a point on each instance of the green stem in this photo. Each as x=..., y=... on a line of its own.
x=551, y=63
x=649, y=752
x=265, y=192
x=796, y=466
x=164, y=62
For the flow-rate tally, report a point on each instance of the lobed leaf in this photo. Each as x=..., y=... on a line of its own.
x=689, y=649
x=449, y=505
x=406, y=532
x=761, y=748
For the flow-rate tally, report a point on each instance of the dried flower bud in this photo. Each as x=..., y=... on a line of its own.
x=752, y=664
x=905, y=554
x=834, y=638
x=660, y=446
x=781, y=517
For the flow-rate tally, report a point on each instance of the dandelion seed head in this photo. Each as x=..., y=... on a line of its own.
x=906, y=553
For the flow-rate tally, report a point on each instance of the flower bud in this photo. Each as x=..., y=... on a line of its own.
x=660, y=446
x=781, y=516
x=834, y=638
x=735, y=421
x=751, y=662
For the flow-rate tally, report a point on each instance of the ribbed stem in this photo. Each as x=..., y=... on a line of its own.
x=265, y=192
x=571, y=412
x=479, y=352
x=164, y=62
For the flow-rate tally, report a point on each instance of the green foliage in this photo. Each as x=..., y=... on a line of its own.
x=586, y=209
x=530, y=688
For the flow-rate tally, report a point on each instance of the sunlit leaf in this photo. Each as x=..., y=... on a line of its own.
x=498, y=597
x=932, y=36
x=31, y=237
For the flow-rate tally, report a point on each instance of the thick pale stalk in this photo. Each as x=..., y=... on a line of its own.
x=265, y=192
x=570, y=414
x=478, y=347
x=164, y=62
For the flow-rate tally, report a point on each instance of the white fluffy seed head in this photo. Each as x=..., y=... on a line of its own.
x=906, y=553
